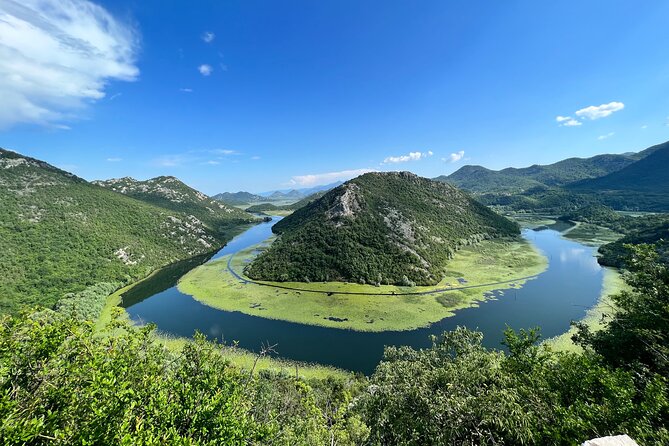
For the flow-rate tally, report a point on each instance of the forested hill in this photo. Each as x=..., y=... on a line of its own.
x=650, y=174
x=240, y=197
x=59, y=234
x=378, y=228
x=480, y=179
x=171, y=193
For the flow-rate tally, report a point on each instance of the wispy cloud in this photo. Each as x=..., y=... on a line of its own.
x=412, y=156
x=208, y=36
x=454, y=157
x=255, y=157
x=567, y=121
x=186, y=90
x=607, y=136
x=114, y=159
x=114, y=96
x=212, y=163
x=599, y=111
x=644, y=127
x=205, y=70
x=326, y=178
x=226, y=152
x=169, y=161
x=58, y=55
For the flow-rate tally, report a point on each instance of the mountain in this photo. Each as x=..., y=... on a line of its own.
x=60, y=234
x=170, y=193
x=241, y=197
x=391, y=227
x=643, y=185
x=481, y=180
x=299, y=193
x=269, y=207
x=649, y=174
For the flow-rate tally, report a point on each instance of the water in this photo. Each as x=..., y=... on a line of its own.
x=571, y=284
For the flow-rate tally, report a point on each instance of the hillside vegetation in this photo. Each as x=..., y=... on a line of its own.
x=630, y=181
x=171, y=193
x=60, y=234
x=62, y=382
x=381, y=228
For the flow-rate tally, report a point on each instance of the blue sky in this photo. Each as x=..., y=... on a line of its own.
x=250, y=95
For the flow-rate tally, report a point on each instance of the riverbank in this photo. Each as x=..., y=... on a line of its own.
x=613, y=283
x=473, y=273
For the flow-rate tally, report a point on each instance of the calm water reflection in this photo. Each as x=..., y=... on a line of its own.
x=571, y=284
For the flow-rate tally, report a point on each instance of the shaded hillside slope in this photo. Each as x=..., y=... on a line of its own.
x=378, y=228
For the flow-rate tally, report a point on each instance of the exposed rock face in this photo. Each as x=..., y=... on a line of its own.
x=616, y=440
x=345, y=206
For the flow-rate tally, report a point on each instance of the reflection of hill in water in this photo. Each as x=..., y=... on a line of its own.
x=161, y=280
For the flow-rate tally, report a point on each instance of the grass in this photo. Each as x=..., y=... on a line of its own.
x=613, y=283
x=592, y=235
x=487, y=262
x=244, y=360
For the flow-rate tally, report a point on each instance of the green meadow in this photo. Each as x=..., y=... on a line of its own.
x=490, y=265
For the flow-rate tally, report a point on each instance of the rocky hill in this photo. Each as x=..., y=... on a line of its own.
x=390, y=227
x=171, y=193
x=60, y=234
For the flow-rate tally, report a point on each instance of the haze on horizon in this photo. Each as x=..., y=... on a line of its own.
x=257, y=96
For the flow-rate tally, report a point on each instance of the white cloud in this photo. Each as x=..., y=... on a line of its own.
x=255, y=157
x=326, y=178
x=607, y=136
x=205, y=70
x=169, y=161
x=454, y=157
x=412, y=156
x=114, y=159
x=644, y=127
x=208, y=36
x=212, y=163
x=600, y=111
x=567, y=121
x=56, y=56
x=186, y=90
x=225, y=152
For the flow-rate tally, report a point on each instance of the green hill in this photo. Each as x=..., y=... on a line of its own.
x=170, y=193
x=236, y=198
x=60, y=234
x=643, y=185
x=481, y=180
x=378, y=228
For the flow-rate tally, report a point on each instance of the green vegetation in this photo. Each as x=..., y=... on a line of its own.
x=60, y=234
x=319, y=303
x=633, y=181
x=482, y=180
x=170, y=193
x=60, y=381
x=379, y=228
x=237, y=198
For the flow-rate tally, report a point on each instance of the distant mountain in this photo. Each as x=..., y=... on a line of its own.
x=269, y=207
x=378, y=228
x=649, y=174
x=59, y=234
x=171, y=193
x=237, y=198
x=481, y=180
x=299, y=193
